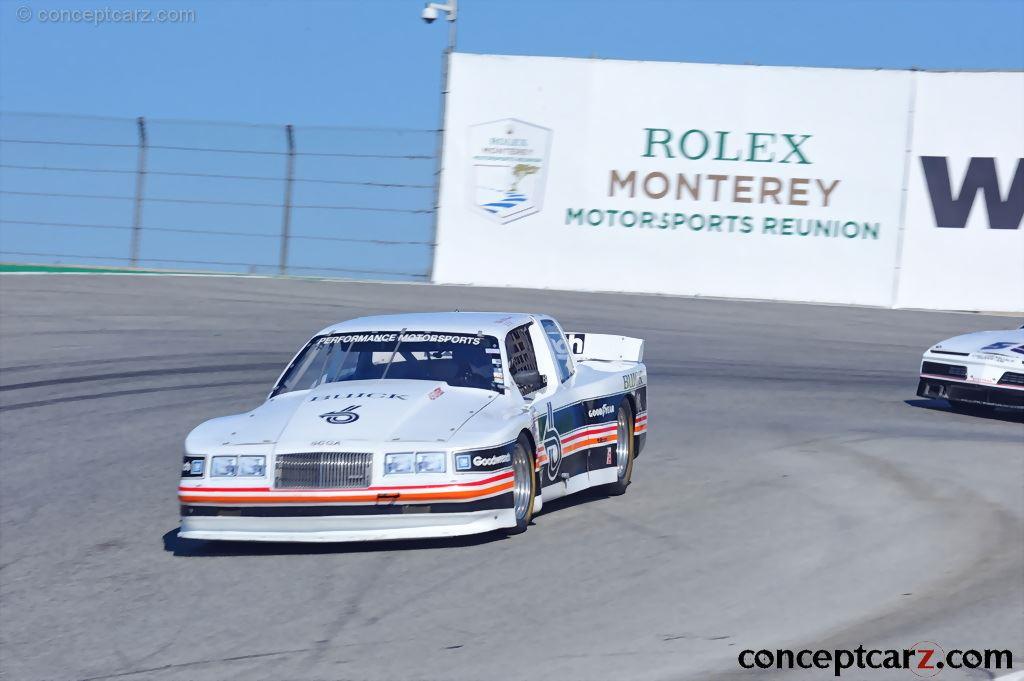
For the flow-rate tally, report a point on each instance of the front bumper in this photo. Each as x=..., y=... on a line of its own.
x=217, y=525
x=379, y=512
x=974, y=393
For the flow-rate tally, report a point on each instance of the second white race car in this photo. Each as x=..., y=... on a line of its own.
x=976, y=372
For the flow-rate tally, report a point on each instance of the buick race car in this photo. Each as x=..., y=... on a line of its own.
x=420, y=425
x=976, y=372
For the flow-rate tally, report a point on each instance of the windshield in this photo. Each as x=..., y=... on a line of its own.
x=461, y=360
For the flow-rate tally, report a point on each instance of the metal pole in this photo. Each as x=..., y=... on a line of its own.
x=140, y=184
x=446, y=58
x=451, y=24
x=286, y=218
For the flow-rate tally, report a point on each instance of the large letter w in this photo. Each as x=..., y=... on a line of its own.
x=981, y=174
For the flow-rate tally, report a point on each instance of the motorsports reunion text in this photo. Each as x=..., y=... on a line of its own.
x=673, y=184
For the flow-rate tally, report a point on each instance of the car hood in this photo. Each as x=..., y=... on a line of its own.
x=352, y=411
x=1009, y=343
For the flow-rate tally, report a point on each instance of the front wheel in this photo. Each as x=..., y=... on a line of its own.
x=624, y=449
x=524, y=488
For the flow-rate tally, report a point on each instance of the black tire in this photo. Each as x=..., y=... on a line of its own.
x=624, y=418
x=522, y=472
x=971, y=408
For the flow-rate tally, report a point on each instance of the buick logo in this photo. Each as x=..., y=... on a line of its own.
x=346, y=415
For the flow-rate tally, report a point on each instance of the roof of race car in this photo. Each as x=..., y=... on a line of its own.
x=490, y=323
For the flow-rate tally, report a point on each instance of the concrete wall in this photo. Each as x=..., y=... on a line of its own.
x=741, y=181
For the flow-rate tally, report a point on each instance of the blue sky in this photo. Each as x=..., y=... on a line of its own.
x=373, y=63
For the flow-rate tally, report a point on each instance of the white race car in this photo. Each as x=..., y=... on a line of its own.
x=976, y=372
x=420, y=425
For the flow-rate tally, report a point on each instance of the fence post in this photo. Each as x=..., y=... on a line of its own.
x=140, y=184
x=286, y=218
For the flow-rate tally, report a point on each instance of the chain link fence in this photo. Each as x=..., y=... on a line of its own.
x=224, y=197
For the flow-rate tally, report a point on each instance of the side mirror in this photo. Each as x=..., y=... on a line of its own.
x=530, y=381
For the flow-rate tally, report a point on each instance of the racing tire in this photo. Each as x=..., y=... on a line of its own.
x=971, y=408
x=625, y=449
x=524, y=486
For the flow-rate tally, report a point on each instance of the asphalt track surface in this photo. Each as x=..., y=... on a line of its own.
x=795, y=493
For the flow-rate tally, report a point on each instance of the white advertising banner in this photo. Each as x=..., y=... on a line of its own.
x=963, y=246
x=694, y=179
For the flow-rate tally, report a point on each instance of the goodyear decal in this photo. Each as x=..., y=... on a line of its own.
x=581, y=437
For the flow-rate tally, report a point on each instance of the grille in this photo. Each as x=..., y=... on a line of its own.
x=323, y=470
x=937, y=369
x=1012, y=378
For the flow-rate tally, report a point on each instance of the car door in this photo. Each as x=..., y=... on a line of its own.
x=533, y=371
x=567, y=421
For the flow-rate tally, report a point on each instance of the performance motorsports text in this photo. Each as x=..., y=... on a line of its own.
x=411, y=337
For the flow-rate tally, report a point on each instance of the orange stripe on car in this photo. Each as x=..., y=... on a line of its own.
x=389, y=497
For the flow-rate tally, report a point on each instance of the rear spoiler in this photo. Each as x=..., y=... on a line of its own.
x=605, y=347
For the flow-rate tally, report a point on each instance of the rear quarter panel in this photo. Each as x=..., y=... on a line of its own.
x=605, y=385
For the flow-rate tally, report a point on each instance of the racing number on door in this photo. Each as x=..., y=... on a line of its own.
x=552, y=444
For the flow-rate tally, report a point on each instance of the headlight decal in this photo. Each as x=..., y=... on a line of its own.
x=224, y=467
x=431, y=462
x=407, y=463
x=252, y=466
x=399, y=462
x=193, y=466
x=244, y=466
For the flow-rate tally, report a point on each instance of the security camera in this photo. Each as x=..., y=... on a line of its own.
x=432, y=10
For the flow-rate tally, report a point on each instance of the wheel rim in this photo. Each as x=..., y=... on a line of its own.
x=622, y=444
x=523, y=486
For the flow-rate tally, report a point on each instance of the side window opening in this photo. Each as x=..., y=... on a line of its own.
x=522, y=360
x=559, y=349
